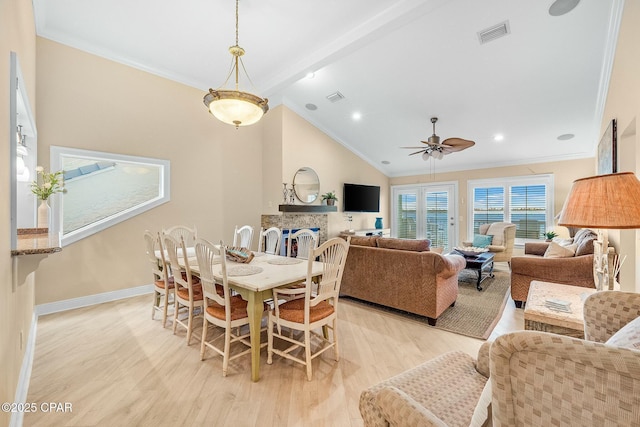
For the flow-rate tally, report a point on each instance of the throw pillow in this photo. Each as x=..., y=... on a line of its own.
x=554, y=250
x=628, y=336
x=482, y=240
x=585, y=244
x=562, y=241
x=404, y=244
x=496, y=229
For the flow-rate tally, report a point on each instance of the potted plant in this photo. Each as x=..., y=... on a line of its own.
x=550, y=235
x=330, y=197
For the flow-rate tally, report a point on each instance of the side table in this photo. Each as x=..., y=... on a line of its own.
x=538, y=317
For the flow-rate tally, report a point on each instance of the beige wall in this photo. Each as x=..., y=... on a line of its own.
x=90, y=103
x=564, y=173
x=17, y=34
x=623, y=104
x=305, y=145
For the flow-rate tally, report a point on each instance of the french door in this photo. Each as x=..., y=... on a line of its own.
x=426, y=211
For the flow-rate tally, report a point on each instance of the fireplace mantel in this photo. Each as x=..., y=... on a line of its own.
x=310, y=209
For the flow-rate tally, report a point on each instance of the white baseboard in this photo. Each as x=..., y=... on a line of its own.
x=70, y=304
x=25, y=373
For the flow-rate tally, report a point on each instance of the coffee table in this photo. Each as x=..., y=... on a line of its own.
x=538, y=317
x=479, y=263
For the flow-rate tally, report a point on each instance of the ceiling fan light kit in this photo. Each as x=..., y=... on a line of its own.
x=435, y=149
x=236, y=107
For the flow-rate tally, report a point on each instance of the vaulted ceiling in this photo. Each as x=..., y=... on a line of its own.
x=397, y=64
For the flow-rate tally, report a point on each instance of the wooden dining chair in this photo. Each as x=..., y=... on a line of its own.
x=243, y=236
x=305, y=240
x=180, y=231
x=227, y=312
x=270, y=240
x=315, y=310
x=188, y=290
x=162, y=279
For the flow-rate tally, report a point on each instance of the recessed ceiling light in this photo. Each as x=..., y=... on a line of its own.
x=356, y=116
x=385, y=162
x=560, y=7
x=312, y=107
x=566, y=136
x=498, y=137
x=310, y=75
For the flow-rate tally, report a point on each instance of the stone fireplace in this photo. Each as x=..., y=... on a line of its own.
x=286, y=221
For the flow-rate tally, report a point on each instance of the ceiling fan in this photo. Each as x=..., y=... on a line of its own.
x=436, y=149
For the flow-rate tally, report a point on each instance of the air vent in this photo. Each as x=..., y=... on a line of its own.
x=495, y=32
x=335, y=97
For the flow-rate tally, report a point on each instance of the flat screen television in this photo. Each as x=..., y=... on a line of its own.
x=361, y=198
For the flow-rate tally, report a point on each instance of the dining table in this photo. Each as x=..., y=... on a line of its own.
x=255, y=282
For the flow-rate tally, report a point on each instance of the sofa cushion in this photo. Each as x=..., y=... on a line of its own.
x=555, y=250
x=628, y=336
x=364, y=241
x=404, y=244
x=482, y=241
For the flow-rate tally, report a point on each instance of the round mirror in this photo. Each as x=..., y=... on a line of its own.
x=306, y=185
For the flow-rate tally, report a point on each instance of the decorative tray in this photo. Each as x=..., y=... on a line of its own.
x=471, y=250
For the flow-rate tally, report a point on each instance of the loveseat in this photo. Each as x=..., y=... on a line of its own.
x=402, y=274
x=572, y=269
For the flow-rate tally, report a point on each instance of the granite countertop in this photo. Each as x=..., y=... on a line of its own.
x=36, y=241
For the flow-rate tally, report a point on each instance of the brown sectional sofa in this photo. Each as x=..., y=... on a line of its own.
x=402, y=274
x=576, y=270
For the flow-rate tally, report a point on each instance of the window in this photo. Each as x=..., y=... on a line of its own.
x=524, y=201
x=103, y=189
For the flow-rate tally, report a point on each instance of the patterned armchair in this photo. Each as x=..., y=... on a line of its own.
x=537, y=378
x=546, y=379
x=504, y=234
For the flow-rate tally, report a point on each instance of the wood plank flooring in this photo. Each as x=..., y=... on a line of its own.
x=117, y=367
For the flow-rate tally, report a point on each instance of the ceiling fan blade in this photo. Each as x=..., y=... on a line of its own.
x=417, y=152
x=414, y=147
x=456, y=144
x=431, y=142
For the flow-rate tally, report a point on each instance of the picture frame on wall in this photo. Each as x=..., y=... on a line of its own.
x=607, y=150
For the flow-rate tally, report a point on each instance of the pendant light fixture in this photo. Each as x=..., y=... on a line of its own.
x=235, y=107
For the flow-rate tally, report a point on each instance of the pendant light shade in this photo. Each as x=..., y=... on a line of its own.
x=236, y=107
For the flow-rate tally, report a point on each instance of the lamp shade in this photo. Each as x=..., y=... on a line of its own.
x=603, y=201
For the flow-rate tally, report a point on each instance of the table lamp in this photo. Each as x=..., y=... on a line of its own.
x=603, y=202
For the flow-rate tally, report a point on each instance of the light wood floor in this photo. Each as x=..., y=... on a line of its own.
x=117, y=367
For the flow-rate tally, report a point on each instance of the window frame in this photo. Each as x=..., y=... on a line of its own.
x=507, y=183
x=57, y=153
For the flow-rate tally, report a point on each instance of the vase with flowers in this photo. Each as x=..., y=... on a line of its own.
x=46, y=184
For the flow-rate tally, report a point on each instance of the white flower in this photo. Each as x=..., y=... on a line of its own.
x=39, y=169
x=47, y=185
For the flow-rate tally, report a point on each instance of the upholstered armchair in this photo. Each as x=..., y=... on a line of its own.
x=537, y=378
x=576, y=270
x=504, y=234
x=542, y=379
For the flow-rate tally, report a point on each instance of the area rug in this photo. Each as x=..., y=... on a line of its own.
x=476, y=313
